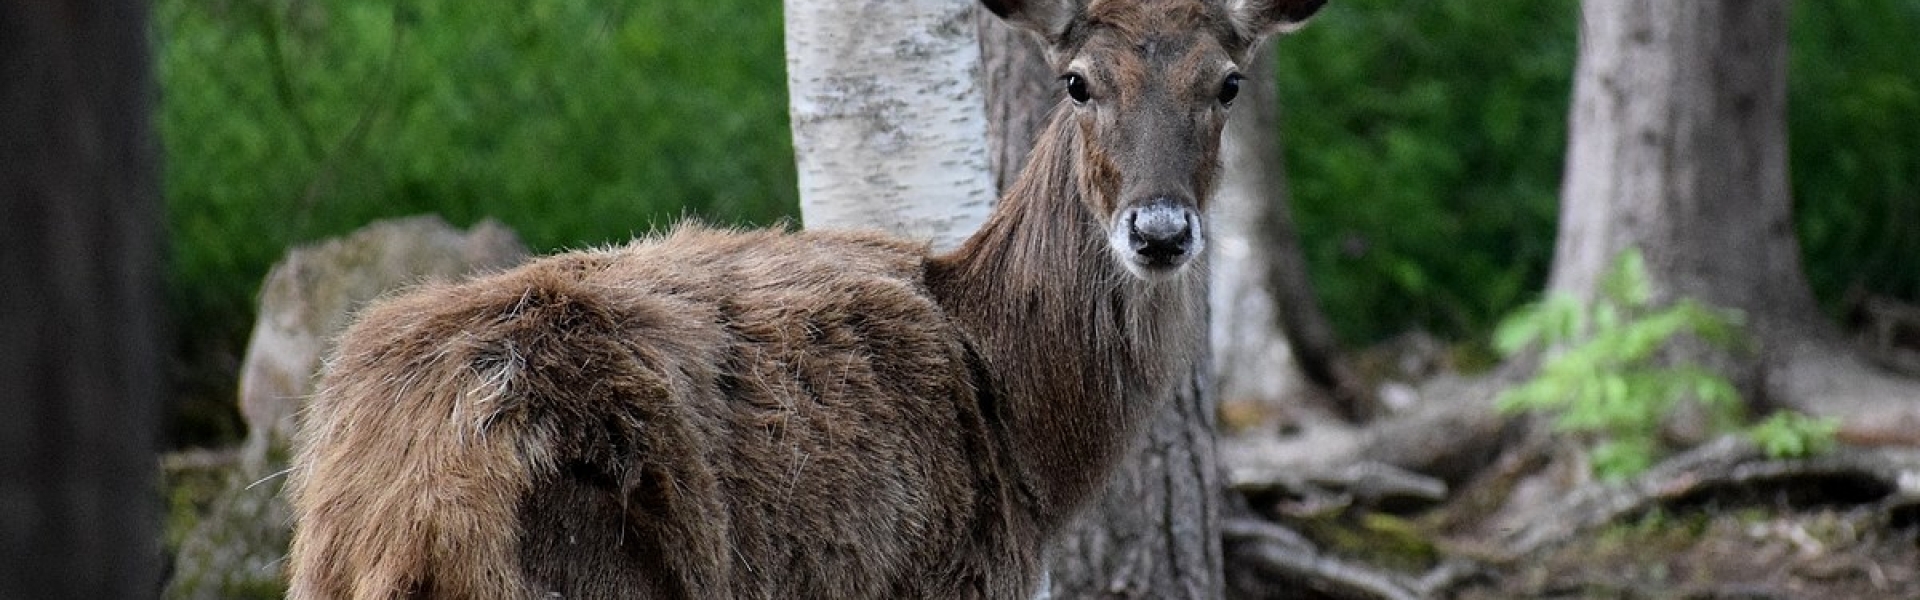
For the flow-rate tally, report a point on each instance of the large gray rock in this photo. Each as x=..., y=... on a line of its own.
x=239, y=524
x=312, y=294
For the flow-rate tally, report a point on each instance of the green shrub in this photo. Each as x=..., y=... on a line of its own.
x=1789, y=434
x=1609, y=377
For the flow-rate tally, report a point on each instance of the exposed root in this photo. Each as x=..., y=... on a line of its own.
x=1453, y=434
x=1728, y=470
x=1290, y=567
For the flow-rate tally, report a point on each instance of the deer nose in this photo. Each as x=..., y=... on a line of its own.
x=1162, y=233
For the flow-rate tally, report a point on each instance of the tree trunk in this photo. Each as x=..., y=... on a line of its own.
x=1021, y=90
x=1272, y=345
x=79, y=311
x=1156, y=531
x=1677, y=146
x=888, y=130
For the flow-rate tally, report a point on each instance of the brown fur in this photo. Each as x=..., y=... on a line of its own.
x=716, y=414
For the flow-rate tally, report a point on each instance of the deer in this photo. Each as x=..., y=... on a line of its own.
x=717, y=413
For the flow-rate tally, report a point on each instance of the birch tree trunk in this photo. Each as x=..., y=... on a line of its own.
x=1155, y=533
x=80, y=321
x=1678, y=146
x=888, y=126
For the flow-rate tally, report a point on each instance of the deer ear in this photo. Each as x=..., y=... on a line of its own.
x=1259, y=18
x=1049, y=18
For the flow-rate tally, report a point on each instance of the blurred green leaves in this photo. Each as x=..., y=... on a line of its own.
x=575, y=123
x=1610, y=373
x=1425, y=142
x=1854, y=117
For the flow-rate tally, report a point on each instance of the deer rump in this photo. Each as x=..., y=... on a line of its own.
x=706, y=414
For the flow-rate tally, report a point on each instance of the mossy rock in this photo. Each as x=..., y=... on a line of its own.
x=228, y=525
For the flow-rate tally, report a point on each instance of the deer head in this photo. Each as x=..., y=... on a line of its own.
x=1148, y=85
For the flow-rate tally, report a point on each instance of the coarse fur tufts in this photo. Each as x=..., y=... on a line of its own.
x=816, y=414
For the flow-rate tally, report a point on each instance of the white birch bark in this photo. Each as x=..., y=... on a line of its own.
x=889, y=129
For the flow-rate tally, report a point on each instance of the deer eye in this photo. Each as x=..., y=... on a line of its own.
x=1230, y=89
x=1076, y=87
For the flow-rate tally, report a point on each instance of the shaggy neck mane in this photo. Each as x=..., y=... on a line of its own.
x=1076, y=350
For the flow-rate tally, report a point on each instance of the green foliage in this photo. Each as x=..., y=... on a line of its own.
x=1853, y=95
x=574, y=123
x=1423, y=146
x=1425, y=140
x=1794, y=435
x=1606, y=377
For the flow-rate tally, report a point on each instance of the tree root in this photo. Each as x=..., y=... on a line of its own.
x=1372, y=484
x=1450, y=436
x=1727, y=470
x=1288, y=565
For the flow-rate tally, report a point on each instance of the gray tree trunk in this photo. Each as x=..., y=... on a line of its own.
x=888, y=129
x=1021, y=90
x=1271, y=342
x=1678, y=146
x=80, y=317
x=1253, y=364
x=1156, y=531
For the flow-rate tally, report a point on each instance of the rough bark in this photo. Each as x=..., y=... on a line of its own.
x=1677, y=146
x=888, y=130
x=1155, y=532
x=80, y=312
x=1020, y=91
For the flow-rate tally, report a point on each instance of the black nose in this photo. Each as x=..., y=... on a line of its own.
x=1161, y=233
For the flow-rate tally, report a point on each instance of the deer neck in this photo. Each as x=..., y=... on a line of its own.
x=1077, y=353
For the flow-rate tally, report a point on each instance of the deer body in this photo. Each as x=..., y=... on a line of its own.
x=716, y=414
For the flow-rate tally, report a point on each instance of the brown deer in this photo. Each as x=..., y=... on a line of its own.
x=715, y=414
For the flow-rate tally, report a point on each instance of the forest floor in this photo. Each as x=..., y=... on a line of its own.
x=1824, y=533
x=1457, y=501
x=1755, y=552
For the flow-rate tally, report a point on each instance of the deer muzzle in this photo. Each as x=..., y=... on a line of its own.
x=1159, y=238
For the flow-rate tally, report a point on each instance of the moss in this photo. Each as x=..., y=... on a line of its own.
x=1374, y=538
x=227, y=528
